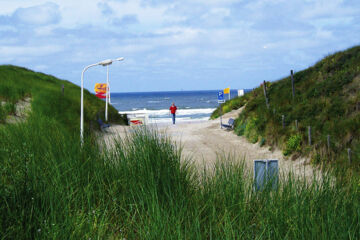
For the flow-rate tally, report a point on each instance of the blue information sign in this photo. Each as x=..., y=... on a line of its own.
x=220, y=96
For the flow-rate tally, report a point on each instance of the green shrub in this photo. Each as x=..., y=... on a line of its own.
x=10, y=108
x=251, y=132
x=2, y=114
x=292, y=144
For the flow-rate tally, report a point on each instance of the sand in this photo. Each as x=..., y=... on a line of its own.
x=205, y=142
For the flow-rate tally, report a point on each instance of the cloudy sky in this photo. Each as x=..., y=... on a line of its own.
x=175, y=45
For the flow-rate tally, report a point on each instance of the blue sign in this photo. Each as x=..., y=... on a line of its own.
x=220, y=96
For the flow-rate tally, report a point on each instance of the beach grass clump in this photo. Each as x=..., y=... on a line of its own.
x=51, y=187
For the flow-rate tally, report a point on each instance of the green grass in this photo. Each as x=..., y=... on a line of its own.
x=52, y=188
x=326, y=96
x=16, y=83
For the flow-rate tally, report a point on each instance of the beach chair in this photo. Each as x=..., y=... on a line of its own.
x=102, y=125
x=230, y=124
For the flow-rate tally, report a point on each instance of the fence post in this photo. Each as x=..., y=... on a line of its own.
x=328, y=142
x=349, y=155
x=309, y=134
x=283, y=120
x=62, y=89
x=266, y=98
x=296, y=125
x=292, y=83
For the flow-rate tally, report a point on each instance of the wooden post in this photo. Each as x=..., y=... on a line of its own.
x=296, y=125
x=349, y=155
x=292, y=83
x=328, y=142
x=266, y=98
x=62, y=89
x=283, y=121
x=357, y=106
x=309, y=135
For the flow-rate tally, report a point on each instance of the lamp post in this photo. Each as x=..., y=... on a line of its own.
x=103, y=63
x=107, y=63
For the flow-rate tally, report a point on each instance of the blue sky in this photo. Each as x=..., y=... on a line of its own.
x=175, y=45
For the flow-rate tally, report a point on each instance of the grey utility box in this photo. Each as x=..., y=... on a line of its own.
x=266, y=172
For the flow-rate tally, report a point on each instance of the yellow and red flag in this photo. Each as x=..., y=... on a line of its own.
x=227, y=90
x=100, y=88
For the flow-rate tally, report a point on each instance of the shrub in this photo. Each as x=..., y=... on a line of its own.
x=293, y=144
x=251, y=132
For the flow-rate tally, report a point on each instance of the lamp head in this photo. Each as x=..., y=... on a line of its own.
x=119, y=59
x=106, y=62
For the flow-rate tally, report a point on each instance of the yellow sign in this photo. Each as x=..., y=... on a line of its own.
x=227, y=90
x=100, y=87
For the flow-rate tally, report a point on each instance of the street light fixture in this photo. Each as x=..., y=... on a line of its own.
x=107, y=63
x=103, y=63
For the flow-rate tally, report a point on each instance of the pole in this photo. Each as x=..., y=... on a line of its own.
x=266, y=99
x=292, y=83
x=220, y=116
x=229, y=93
x=82, y=103
x=107, y=93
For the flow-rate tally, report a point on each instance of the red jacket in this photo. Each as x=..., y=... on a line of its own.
x=173, y=109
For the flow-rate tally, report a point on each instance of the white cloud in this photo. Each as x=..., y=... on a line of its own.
x=44, y=14
x=32, y=51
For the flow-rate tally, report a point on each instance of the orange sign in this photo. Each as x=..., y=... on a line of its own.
x=100, y=87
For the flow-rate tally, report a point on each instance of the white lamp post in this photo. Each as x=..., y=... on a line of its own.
x=107, y=63
x=103, y=63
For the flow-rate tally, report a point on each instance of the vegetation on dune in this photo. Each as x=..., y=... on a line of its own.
x=52, y=188
x=327, y=98
x=47, y=99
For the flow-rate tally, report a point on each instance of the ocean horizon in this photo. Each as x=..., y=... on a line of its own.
x=192, y=105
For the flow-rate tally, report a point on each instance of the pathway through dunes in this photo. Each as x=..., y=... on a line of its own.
x=204, y=142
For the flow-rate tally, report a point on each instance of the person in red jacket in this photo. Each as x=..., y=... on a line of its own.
x=173, y=109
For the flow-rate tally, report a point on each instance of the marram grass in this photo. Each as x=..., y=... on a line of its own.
x=51, y=188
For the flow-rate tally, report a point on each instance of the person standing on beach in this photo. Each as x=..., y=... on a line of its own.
x=173, y=109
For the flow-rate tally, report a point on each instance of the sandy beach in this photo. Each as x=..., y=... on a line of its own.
x=205, y=142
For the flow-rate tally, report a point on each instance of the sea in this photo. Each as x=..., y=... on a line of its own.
x=193, y=106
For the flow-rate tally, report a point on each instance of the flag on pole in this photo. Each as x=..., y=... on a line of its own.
x=227, y=90
x=100, y=95
x=100, y=88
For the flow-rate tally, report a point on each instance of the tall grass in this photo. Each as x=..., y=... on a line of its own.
x=52, y=188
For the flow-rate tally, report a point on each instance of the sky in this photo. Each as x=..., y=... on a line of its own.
x=175, y=45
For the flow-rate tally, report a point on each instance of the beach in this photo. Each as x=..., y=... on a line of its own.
x=204, y=142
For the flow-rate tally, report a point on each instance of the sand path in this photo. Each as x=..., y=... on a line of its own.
x=205, y=142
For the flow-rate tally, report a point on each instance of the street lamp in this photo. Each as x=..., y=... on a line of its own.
x=103, y=63
x=107, y=63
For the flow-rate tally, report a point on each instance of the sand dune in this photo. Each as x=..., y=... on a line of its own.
x=205, y=142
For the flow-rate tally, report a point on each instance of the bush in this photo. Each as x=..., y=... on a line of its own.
x=293, y=144
x=251, y=132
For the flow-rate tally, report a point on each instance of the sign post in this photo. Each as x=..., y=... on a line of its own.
x=220, y=101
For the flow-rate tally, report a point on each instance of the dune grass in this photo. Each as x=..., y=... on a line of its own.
x=47, y=98
x=52, y=188
x=326, y=98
